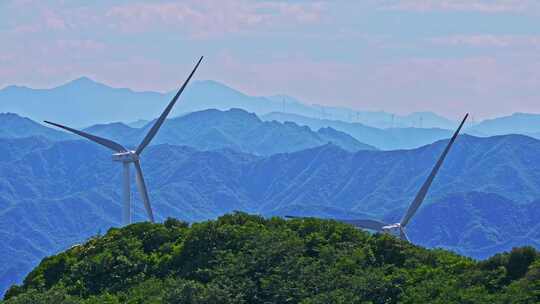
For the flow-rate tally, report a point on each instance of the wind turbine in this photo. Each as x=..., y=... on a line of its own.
x=399, y=228
x=128, y=157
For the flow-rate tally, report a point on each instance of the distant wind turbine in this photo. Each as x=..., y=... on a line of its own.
x=399, y=228
x=128, y=157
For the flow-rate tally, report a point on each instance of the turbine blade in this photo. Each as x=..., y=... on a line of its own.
x=403, y=235
x=425, y=187
x=99, y=140
x=142, y=190
x=365, y=224
x=166, y=112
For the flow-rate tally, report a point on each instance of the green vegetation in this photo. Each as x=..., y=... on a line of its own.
x=241, y=258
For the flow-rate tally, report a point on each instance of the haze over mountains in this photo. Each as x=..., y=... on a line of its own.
x=84, y=102
x=517, y=123
x=235, y=129
x=205, y=130
x=385, y=139
x=15, y=126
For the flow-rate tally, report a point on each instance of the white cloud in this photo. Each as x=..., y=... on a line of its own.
x=206, y=18
x=483, y=6
x=196, y=18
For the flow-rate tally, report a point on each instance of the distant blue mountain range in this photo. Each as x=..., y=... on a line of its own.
x=54, y=194
x=84, y=102
x=518, y=123
x=386, y=139
x=234, y=129
x=81, y=102
x=205, y=130
x=477, y=224
x=15, y=126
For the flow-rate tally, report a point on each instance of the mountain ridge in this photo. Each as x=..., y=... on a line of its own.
x=61, y=192
x=385, y=139
x=206, y=130
x=83, y=102
x=245, y=258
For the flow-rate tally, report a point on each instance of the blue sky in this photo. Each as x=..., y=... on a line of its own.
x=399, y=56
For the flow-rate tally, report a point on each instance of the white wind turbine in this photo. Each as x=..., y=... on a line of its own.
x=128, y=157
x=399, y=228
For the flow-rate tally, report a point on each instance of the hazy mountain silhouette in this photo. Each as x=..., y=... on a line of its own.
x=81, y=102
x=204, y=130
x=517, y=123
x=15, y=126
x=234, y=129
x=84, y=102
x=386, y=139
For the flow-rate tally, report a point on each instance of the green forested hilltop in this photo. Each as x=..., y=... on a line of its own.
x=247, y=259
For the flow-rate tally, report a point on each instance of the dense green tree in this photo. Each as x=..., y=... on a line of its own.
x=240, y=258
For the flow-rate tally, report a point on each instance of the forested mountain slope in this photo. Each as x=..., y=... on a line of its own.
x=205, y=130
x=233, y=129
x=56, y=194
x=247, y=259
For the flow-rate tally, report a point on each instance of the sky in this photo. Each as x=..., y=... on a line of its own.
x=480, y=56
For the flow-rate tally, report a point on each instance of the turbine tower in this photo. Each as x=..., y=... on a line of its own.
x=128, y=157
x=399, y=228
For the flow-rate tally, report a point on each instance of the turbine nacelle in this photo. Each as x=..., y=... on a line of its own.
x=392, y=227
x=125, y=157
x=396, y=229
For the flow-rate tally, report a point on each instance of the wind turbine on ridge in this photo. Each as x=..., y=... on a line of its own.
x=399, y=228
x=128, y=157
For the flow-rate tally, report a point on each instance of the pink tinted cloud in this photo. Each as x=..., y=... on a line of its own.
x=39, y=63
x=86, y=45
x=488, y=40
x=43, y=18
x=27, y=28
x=197, y=18
x=206, y=18
x=53, y=21
x=483, y=6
